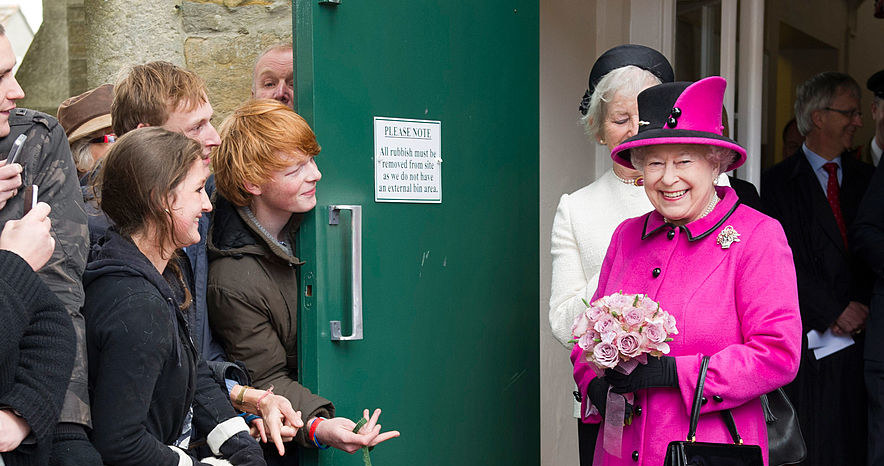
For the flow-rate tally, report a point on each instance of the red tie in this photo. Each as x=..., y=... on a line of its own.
x=832, y=192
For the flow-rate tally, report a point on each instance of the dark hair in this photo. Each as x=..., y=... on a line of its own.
x=789, y=124
x=137, y=178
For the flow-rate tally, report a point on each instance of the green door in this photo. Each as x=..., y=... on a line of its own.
x=449, y=277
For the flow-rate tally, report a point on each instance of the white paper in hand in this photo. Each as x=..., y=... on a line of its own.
x=824, y=344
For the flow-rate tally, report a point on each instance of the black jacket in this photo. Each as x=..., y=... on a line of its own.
x=867, y=242
x=37, y=346
x=828, y=275
x=144, y=373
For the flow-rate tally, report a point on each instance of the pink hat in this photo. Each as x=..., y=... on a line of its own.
x=681, y=113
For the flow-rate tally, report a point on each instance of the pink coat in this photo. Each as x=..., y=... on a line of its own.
x=738, y=305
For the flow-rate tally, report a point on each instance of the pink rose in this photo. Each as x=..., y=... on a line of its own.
x=655, y=333
x=620, y=300
x=649, y=307
x=580, y=325
x=587, y=342
x=669, y=324
x=609, y=337
x=605, y=355
x=629, y=344
x=596, y=312
x=660, y=349
x=633, y=317
x=606, y=324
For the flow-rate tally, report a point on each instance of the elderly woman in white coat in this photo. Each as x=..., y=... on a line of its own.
x=586, y=219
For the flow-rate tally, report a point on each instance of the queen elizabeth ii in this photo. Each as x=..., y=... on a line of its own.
x=722, y=269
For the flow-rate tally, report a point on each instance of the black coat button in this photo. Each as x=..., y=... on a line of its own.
x=717, y=398
x=635, y=455
x=637, y=411
x=577, y=396
x=676, y=112
x=656, y=272
x=703, y=400
x=671, y=234
x=672, y=122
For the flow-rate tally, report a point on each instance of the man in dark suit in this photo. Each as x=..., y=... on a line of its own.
x=867, y=241
x=815, y=194
x=871, y=151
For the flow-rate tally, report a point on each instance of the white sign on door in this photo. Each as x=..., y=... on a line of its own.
x=407, y=160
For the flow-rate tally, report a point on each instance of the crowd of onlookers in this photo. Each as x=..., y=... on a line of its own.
x=130, y=336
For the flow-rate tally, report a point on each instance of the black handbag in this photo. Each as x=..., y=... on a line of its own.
x=693, y=453
x=784, y=440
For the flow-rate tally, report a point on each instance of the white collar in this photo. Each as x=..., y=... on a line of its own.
x=876, y=151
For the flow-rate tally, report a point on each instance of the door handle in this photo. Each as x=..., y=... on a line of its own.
x=334, y=212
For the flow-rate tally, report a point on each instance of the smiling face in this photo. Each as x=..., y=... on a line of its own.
x=195, y=124
x=289, y=190
x=273, y=77
x=10, y=91
x=188, y=201
x=836, y=130
x=678, y=180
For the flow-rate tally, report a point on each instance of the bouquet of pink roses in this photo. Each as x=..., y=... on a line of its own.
x=620, y=330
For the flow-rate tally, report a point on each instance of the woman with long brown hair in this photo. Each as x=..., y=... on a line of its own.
x=153, y=399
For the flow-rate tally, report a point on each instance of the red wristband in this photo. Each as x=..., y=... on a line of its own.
x=311, y=436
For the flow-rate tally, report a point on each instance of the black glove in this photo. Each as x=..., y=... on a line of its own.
x=658, y=372
x=242, y=450
x=598, y=396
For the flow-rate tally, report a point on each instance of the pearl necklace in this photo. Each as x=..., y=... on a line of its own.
x=640, y=181
x=709, y=207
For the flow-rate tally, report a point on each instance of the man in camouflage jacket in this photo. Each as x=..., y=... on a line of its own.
x=46, y=162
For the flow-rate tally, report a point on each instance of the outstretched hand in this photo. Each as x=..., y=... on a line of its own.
x=338, y=432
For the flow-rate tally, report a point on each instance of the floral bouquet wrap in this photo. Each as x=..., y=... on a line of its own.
x=618, y=332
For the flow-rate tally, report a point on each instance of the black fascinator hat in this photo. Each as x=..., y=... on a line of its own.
x=643, y=57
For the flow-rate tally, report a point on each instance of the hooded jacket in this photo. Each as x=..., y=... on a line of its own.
x=253, y=305
x=144, y=374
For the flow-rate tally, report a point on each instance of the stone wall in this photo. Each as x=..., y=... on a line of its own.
x=85, y=43
x=44, y=71
x=223, y=39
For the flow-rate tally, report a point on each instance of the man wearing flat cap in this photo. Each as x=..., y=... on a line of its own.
x=871, y=152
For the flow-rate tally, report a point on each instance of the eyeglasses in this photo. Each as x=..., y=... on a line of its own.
x=106, y=139
x=848, y=113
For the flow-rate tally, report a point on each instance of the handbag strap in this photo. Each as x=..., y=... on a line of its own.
x=726, y=414
x=698, y=400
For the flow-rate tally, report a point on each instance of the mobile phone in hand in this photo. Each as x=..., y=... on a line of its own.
x=16, y=149
x=29, y=196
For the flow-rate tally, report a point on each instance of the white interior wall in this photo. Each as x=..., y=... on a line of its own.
x=573, y=33
x=567, y=51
